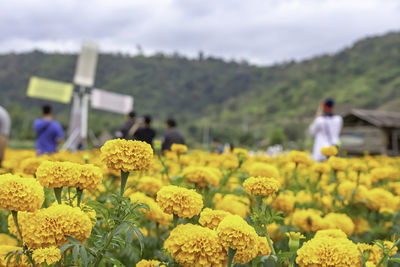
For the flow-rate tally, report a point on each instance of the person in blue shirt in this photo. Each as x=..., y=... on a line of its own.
x=49, y=132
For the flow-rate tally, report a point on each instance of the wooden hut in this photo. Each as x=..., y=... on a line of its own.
x=372, y=131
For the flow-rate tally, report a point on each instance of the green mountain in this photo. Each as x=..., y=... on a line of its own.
x=236, y=102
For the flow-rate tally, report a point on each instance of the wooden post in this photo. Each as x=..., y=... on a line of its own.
x=395, y=143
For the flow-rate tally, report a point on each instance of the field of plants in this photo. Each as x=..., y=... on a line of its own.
x=124, y=205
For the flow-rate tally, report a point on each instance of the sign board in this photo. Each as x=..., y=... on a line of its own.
x=50, y=90
x=109, y=101
x=85, y=71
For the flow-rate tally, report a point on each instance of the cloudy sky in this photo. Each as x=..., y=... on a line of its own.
x=259, y=31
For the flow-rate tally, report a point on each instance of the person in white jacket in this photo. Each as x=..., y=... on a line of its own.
x=325, y=129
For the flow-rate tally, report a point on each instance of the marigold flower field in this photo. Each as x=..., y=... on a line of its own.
x=122, y=205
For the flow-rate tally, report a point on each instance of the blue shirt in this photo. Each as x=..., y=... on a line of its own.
x=47, y=134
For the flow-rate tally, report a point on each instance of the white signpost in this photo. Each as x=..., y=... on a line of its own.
x=110, y=101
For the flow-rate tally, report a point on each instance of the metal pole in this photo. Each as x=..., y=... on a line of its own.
x=84, y=115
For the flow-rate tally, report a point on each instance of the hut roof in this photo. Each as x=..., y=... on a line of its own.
x=378, y=118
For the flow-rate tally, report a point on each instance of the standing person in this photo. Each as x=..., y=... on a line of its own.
x=325, y=129
x=217, y=146
x=49, y=132
x=145, y=133
x=171, y=136
x=5, y=124
x=123, y=131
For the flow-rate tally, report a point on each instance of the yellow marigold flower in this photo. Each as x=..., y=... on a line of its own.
x=234, y=204
x=299, y=157
x=358, y=165
x=274, y=231
x=29, y=166
x=263, y=246
x=329, y=151
x=334, y=233
x=373, y=251
x=180, y=201
x=50, y=255
x=126, y=155
x=382, y=200
x=20, y=194
x=304, y=197
x=338, y=164
x=150, y=185
x=244, y=256
x=261, y=186
x=235, y=233
x=155, y=213
x=49, y=227
x=230, y=161
x=58, y=174
x=7, y=240
x=389, y=244
x=328, y=251
x=5, y=249
x=241, y=151
x=340, y=221
x=260, y=169
x=284, y=202
x=294, y=240
x=179, y=148
x=361, y=226
x=148, y=263
x=90, y=177
x=295, y=235
x=211, y=218
x=201, y=176
x=309, y=220
x=347, y=188
x=321, y=167
x=381, y=173
x=194, y=245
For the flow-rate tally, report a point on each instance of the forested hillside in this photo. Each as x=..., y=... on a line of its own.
x=238, y=102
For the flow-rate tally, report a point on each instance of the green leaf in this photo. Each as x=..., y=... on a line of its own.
x=64, y=248
x=75, y=253
x=120, y=228
x=397, y=260
x=18, y=258
x=73, y=240
x=114, y=261
x=140, y=238
x=84, y=257
x=129, y=236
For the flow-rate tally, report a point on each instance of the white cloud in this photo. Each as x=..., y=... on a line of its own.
x=261, y=31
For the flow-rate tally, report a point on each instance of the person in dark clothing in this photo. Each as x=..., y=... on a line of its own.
x=123, y=131
x=171, y=136
x=145, y=133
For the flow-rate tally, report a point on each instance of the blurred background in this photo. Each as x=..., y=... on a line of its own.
x=251, y=73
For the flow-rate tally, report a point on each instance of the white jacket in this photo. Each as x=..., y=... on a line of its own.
x=326, y=131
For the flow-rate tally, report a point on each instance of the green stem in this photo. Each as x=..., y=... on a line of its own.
x=79, y=195
x=175, y=220
x=15, y=218
x=101, y=254
x=124, y=178
x=179, y=161
x=69, y=196
x=269, y=241
x=26, y=251
x=231, y=255
x=259, y=203
x=57, y=193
